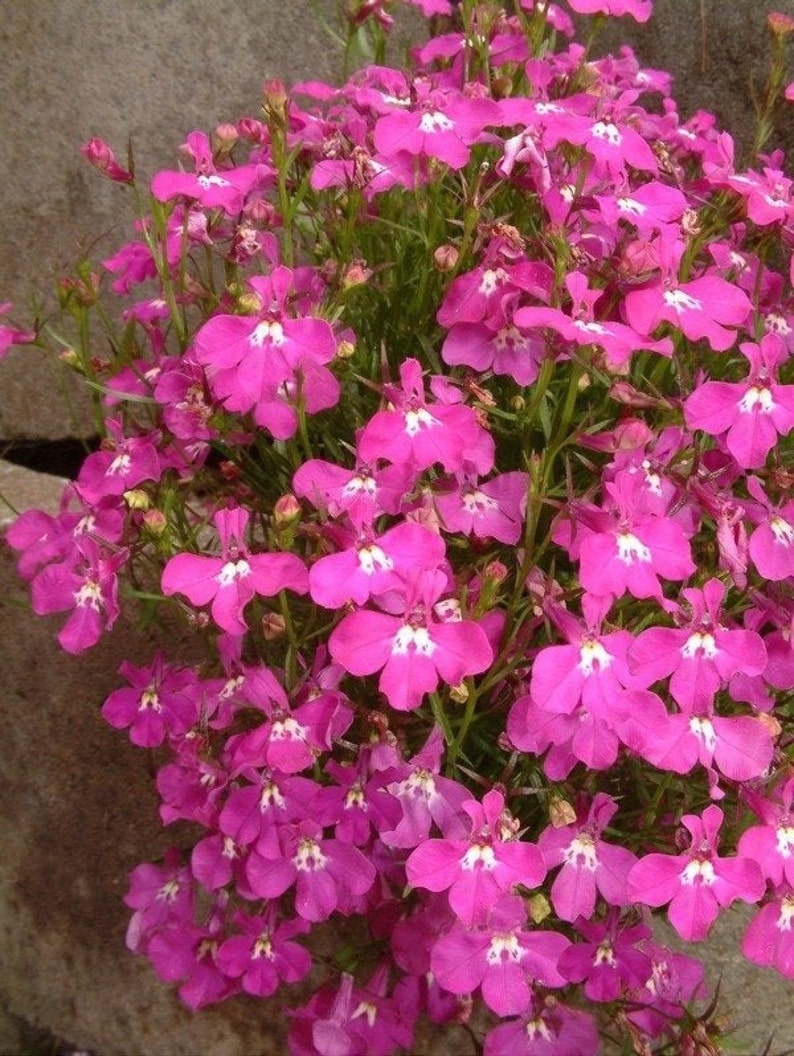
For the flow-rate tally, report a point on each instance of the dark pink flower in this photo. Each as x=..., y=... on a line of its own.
x=699, y=883
x=230, y=581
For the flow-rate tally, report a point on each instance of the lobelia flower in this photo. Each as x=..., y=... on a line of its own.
x=159, y=704
x=227, y=583
x=159, y=895
x=698, y=883
x=611, y=961
x=270, y=363
x=749, y=414
x=414, y=650
x=121, y=466
x=769, y=939
x=547, y=1028
x=328, y=874
x=420, y=434
x=772, y=843
x=87, y=583
x=362, y=493
x=500, y=955
x=491, y=509
x=215, y=189
x=771, y=546
x=478, y=870
x=262, y=954
x=589, y=863
x=699, y=657
x=11, y=335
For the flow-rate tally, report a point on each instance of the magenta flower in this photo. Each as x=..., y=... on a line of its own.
x=159, y=702
x=230, y=581
x=262, y=954
x=476, y=871
x=700, y=657
x=640, y=10
x=420, y=434
x=771, y=844
x=225, y=189
x=501, y=956
x=11, y=335
x=492, y=509
x=750, y=414
x=412, y=651
x=769, y=939
x=771, y=546
x=610, y=961
x=270, y=363
x=589, y=863
x=548, y=1028
x=699, y=883
x=362, y=493
x=328, y=874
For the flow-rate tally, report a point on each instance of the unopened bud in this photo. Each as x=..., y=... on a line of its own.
x=495, y=572
x=287, y=510
x=446, y=257
x=99, y=155
x=273, y=626
x=459, y=694
x=345, y=350
x=517, y=403
x=561, y=813
x=137, y=499
x=155, y=522
x=249, y=303
x=356, y=274
x=690, y=223
x=224, y=137
x=251, y=130
x=229, y=470
x=780, y=24
x=70, y=358
x=539, y=908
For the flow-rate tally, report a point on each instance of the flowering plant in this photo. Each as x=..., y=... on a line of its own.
x=451, y=408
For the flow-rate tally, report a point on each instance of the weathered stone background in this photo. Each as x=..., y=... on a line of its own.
x=76, y=801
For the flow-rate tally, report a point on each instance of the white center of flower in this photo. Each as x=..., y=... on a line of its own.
x=267, y=330
x=415, y=420
x=420, y=783
x=263, y=947
x=416, y=636
x=591, y=328
x=90, y=594
x=271, y=796
x=169, y=891
x=581, y=853
x=681, y=301
x=785, y=840
x=354, y=799
x=631, y=206
x=309, y=857
x=631, y=549
x=479, y=854
x=703, y=729
x=786, y=914
x=504, y=948
x=149, y=700
x=509, y=337
x=604, y=954
x=593, y=653
x=608, y=132
x=699, y=642
x=360, y=482
x=699, y=870
x=232, y=571
x=366, y=1008
x=492, y=279
x=119, y=466
x=372, y=559
x=478, y=503
x=288, y=729
x=782, y=531
x=434, y=121
x=758, y=398
x=536, y=1028
x=777, y=324
x=211, y=181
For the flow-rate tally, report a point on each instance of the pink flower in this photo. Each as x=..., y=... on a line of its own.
x=700, y=657
x=492, y=509
x=476, y=871
x=699, y=883
x=262, y=954
x=547, y=1028
x=420, y=434
x=640, y=10
x=771, y=546
x=225, y=189
x=159, y=702
x=589, y=864
x=750, y=414
x=769, y=939
x=229, y=582
x=412, y=651
x=11, y=335
x=501, y=956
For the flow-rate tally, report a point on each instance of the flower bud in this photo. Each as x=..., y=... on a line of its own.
x=273, y=626
x=99, y=155
x=539, y=908
x=155, y=522
x=446, y=257
x=345, y=350
x=224, y=137
x=287, y=510
x=561, y=812
x=459, y=694
x=780, y=24
x=356, y=274
x=137, y=499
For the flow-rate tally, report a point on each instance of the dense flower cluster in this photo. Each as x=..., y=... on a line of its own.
x=452, y=407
